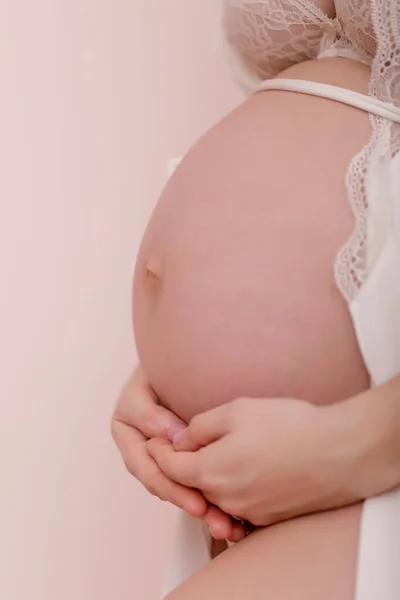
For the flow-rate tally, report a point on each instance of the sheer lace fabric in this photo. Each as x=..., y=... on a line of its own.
x=268, y=36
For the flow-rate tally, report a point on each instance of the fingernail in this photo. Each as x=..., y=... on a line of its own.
x=179, y=437
x=174, y=430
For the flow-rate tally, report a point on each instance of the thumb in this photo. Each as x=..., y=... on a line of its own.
x=203, y=429
x=138, y=407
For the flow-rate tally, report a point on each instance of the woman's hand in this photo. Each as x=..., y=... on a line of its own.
x=138, y=417
x=269, y=460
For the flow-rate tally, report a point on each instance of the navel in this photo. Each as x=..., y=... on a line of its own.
x=153, y=279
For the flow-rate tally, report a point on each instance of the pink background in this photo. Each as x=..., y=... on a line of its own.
x=96, y=95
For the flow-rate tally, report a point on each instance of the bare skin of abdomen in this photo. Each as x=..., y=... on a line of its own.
x=234, y=291
x=234, y=295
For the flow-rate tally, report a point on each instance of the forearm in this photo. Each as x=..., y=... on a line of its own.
x=369, y=434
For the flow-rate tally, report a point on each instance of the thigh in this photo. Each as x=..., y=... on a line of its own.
x=308, y=558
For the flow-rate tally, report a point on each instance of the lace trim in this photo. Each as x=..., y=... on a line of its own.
x=368, y=175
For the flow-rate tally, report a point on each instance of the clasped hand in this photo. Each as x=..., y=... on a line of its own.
x=260, y=460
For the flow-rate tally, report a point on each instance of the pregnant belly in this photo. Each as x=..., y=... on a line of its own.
x=234, y=292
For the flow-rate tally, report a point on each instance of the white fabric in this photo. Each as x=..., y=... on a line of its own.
x=379, y=549
x=376, y=315
x=368, y=104
x=190, y=551
x=376, y=318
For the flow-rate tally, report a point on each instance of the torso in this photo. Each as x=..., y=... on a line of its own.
x=234, y=292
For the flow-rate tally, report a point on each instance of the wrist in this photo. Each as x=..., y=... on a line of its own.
x=365, y=431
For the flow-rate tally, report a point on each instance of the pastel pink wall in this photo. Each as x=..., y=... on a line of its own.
x=96, y=95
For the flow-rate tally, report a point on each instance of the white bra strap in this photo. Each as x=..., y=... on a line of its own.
x=332, y=92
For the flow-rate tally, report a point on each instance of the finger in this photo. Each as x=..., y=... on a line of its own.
x=204, y=429
x=223, y=526
x=138, y=407
x=182, y=467
x=238, y=528
x=219, y=523
x=238, y=532
x=132, y=445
